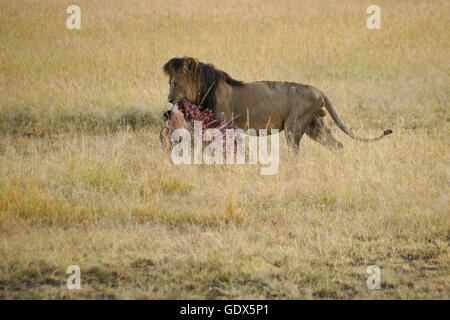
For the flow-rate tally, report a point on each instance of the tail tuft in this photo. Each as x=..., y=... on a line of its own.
x=385, y=133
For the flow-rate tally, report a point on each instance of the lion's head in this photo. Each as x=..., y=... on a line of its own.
x=195, y=81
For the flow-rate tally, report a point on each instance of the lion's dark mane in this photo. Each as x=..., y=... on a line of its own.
x=206, y=77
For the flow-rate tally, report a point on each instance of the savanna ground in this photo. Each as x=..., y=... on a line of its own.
x=84, y=181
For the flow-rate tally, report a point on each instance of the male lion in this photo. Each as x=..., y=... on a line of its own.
x=292, y=107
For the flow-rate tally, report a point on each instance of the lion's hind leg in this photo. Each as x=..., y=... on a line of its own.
x=318, y=131
x=293, y=136
x=293, y=133
x=295, y=127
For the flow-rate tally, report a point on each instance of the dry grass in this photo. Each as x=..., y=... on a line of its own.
x=83, y=179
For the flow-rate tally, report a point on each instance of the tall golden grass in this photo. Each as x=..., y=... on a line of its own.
x=84, y=180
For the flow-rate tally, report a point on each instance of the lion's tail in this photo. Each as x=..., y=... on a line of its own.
x=342, y=126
